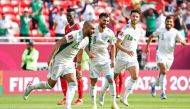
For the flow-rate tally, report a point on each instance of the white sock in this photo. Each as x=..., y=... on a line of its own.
x=41, y=85
x=104, y=88
x=157, y=82
x=129, y=88
x=112, y=89
x=70, y=93
x=161, y=82
x=93, y=94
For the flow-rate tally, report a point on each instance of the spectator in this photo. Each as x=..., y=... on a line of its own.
x=88, y=13
x=179, y=23
x=30, y=57
x=187, y=17
x=37, y=5
x=25, y=23
x=60, y=21
x=49, y=2
x=150, y=17
x=52, y=12
x=4, y=27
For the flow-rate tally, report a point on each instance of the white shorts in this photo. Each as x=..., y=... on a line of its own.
x=166, y=60
x=97, y=68
x=124, y=64
x=59, y=70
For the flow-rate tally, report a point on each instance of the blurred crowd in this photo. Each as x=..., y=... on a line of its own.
x=47, y=18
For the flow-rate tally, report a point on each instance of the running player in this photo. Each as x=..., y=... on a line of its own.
x=100, y=58
x=70, y=27
x=61, y=62
x=126, y=58
x=167, y=38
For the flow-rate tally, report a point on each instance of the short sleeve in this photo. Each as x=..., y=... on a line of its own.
x=121, y=35
x=84, y=43
x=112, y=38
x=179, y=35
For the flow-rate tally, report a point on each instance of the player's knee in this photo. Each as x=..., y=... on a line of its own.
x=109, y=78
x=72, y=84
x=51, y=83
x=93, y=81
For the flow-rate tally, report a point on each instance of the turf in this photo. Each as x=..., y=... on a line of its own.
x=136, y=101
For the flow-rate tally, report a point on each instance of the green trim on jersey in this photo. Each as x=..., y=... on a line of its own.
x=62, y=48
x=126, y=26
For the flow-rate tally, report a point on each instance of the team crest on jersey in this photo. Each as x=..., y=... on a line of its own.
x=121, y=33
x=70, y=37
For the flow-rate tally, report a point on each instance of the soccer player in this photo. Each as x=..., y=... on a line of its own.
x=167, y=38
x=61, y=61
x=100, y=59
x=71, y=27
x=126, y=58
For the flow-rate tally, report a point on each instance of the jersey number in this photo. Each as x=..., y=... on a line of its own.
x=129, y=37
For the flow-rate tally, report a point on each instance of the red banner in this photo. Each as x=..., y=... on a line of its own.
x=14, y=82
x=11, y=55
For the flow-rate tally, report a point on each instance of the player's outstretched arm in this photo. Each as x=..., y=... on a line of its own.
x=181, y=41
x=147, y=45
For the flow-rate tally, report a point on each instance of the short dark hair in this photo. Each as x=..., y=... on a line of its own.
x=30, y=43
x=62, y=9
x=70, y=10
x=170, y=17
x=103, y=15
x=135, y=11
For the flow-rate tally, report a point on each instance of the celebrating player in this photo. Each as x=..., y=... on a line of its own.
x=100, y=59
x=71, y=27
x=167, y=38
x=61, y=62
x=126, y=58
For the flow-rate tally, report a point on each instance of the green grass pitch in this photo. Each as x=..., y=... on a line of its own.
x=136, y=101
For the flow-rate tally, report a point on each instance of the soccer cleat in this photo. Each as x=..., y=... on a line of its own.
x=124, y=102
x=27, y=91
x=78, y=102
x=115, y=106
x=163, y=96
x=153, y=89
x=101, y=100
x=62, y=102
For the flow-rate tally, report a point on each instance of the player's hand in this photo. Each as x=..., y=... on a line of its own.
x=79, y=74
x=130, y=53
x=146, y=50
x=112, y=63
x=92, y=55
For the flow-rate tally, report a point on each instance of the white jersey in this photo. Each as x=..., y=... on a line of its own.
x=130, y=38
x=61, y=23
x=100, y=42
x=166, y=40
x=67, y=52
